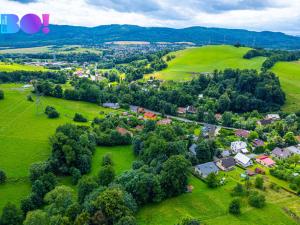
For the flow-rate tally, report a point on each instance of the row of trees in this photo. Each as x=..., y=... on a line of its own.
x=231, y=90
x=27, y=76
x=273, y=56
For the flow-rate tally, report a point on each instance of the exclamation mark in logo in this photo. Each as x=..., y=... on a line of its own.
x=46, y=23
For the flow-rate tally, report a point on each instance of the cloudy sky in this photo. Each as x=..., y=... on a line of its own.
x=258, y=15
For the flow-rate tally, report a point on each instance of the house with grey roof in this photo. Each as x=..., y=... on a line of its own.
x=225, y=153
x=280, y=153
x=294, y=150
x=226, y=164
x=111, y=105
x=243, y=160
x=205, y=169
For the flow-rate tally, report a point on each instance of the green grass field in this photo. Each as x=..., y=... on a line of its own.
x=32, y=50
x=289, y=75
x=122, y=157
x=206, y=59
x=24, y=135
x=13, y=67
x=211, y=207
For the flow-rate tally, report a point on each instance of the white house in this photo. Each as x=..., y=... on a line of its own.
x=243, y=160
x=272, y=117
x=239, y=146
x=293, y=150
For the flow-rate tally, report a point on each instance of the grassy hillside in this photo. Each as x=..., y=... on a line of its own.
x=24, y=135
x=207, y=59
x=289, y=74
x=13, y=67
x=211, y=207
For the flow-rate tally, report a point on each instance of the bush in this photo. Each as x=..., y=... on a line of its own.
x=235, y=207
x=212, y=180
x=2, y=177
x=238, y=190
x=29, y=98
x=51, y=112
x=259, y=183
x=106, y=175
x=257, y=200
x=1, y=94
x=107, y=160
x=79, y=118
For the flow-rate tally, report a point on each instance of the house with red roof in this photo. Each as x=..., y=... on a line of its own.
x=265, y=161
x=242, y=133
x=123, y=131
x=164, y=122
x=150, y=116
x=181, y=110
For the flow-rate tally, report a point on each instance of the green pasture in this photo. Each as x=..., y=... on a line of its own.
x=25, y=132
x=191, y=61
x=289, y=75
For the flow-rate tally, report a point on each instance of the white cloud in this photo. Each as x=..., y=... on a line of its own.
x=275, y=15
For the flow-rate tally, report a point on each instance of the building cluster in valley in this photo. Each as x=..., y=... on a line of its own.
x=241, y=154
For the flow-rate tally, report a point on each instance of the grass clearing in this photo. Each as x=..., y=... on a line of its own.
x=14, y=66
x=211, y=206
x=122, y=157
x=206, y=59
x=24, y=134
x=289, y=75
x=32, y=50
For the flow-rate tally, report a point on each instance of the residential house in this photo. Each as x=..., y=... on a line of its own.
x=181, y=110
x=209, y=130
x=150, y=116
x=123, y=131
x=140, y=110
x=243, y=160
x=239, y=146
x=164, y=122
x=294, y=150
x=192, y=149
x=242, y=133
x=139, y=127
x=111, y=105
x=272, y=117
x=226, y=164
x=258, y=143
x=225, y=153
x=205, y=169
x=280, y=153
x=191, y=109
x=218, y=116
x=265, y=161
x=264, y=122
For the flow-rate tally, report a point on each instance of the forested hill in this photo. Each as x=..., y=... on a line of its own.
x=61, y=34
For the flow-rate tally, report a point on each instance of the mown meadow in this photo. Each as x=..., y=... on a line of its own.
x=25, y=132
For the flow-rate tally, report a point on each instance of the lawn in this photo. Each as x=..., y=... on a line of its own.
x=25, y=132
x=206, y=59
x=289, y=75
x=13, y=67
x=211, y=207
x=122, y=157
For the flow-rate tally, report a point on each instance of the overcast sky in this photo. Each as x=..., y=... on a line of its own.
x=258, y=15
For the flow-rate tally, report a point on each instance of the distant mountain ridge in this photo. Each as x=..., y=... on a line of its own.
x=64, y=34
